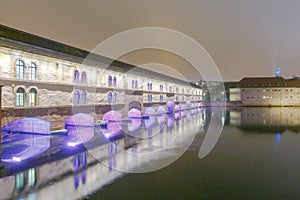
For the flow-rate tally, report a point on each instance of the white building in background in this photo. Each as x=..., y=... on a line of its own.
x=37, y=73
x=265, y=91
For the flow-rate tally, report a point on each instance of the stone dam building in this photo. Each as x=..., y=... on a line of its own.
x=49, y=80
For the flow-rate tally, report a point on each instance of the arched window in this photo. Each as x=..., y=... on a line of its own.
x=76, y=97
x=149, y=98
x=32, y=71
x=109, y=81
x=76, y=76
x=32, y=177
x=83, y=78
x=109, y=97
x=114, y=81
x=176, y=98
x=20, y=69
x=20, y=97
x=20, y=181
x=135, y=84
x=83, y=97
x=32, y=97
x=115, y=97
x=150, y=86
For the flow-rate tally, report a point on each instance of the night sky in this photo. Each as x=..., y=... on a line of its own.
x=243, y=37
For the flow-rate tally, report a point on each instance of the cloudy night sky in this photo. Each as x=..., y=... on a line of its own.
x=243, y=37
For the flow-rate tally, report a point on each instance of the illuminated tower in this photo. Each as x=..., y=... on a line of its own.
x=277, y=71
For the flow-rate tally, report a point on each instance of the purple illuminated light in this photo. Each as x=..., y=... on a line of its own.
x=162, y=117
x=79, y=135
x=135, y=116
x=114, y=121
x=28, y=125
x=80, y=119
x=170, y=106
x=149, y=112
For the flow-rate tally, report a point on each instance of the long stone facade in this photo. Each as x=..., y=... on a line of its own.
x=266, y=91
x=39, y=75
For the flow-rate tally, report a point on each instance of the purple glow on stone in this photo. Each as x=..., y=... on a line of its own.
x=162, y=117
x=183, y=107
x=170, y=106
x=136, y=115
x=79, y=135
x=80, y=119
x=161, y=110
x=170, y=121
x=150, y=112
x=177, y=108
x=27, y=146
x=188, y=104
x=113, y=118
x=28, y=125
x=188, y=114
x=177, y=115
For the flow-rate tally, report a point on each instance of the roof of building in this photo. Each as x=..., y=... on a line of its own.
x=265, y=82
x=23, y=41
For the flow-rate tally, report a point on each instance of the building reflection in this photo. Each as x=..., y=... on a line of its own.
x=263, y=119
x=76, y=176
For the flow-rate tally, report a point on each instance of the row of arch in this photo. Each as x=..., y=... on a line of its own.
x=30, y=95
x=21, y=70
x=80, y=97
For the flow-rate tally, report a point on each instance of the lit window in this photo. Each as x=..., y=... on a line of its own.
x=109, y=97
x=76, y=76
x=114, y=81
x=109, y=81
x=76, y=97
x=83, y=78
x=136, y=84
x=132, y=84
x=149, y=98
x=31, y=177
x=20, y=69
x=32, y=97
x=20, y=97
x=20, y=181
x=114, y=100
x=83, y=97
x=32, y=71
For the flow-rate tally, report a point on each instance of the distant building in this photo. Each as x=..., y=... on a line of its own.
x=265, y=91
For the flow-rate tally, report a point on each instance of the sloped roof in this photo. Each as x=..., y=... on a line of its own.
x=268, y=82
x=20, y=40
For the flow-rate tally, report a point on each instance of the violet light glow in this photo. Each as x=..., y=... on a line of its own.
x=136, y=116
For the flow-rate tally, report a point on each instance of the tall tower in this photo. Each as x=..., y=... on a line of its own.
x=278, y=71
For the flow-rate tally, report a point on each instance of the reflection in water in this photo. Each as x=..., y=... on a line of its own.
x=75, y=175
x=274, y=119
x=80, y=162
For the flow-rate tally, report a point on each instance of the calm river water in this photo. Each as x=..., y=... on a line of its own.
x=256, y=156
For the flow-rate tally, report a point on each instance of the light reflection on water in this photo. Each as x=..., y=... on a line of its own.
x=256, y=157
